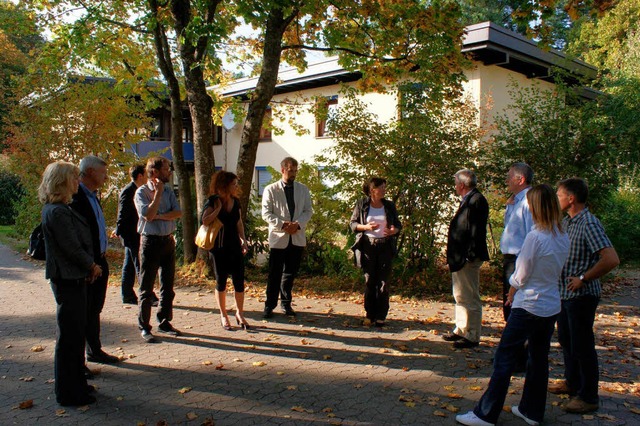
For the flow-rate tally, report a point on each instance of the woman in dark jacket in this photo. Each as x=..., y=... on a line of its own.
x=230, y=245
x=376, y=224
x=70, y=268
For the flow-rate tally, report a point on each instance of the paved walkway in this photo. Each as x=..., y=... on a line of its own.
x=322, y=368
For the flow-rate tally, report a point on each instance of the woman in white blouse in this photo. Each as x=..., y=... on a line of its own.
x=535, y=303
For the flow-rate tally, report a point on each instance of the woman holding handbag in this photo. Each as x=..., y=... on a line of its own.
x=230, y=244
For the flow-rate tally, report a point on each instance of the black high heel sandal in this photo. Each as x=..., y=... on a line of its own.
x=243, y=324
x=225, y=324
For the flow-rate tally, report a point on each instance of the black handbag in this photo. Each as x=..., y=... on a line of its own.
x=36, y=244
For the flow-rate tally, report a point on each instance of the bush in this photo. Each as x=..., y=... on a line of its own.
x=621, y=221
x=11, y=191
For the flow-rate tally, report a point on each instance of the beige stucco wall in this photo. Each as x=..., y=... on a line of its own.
x=487, y=86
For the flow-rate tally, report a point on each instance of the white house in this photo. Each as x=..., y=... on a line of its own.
x=499, y=56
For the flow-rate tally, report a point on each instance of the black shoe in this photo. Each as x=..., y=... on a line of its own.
x=148, y=337
x=130, y=300
x=167, y=328
x=77, y=402
x=102, y=357
x=88, y=374
x=154, y=300
x=451, y=337
x=464, y=344
x=288, y=311
x=268, y=313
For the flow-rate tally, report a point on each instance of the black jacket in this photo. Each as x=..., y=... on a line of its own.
x=82, y=206
x=127, y=223
x=359, y=217
x=468, y=232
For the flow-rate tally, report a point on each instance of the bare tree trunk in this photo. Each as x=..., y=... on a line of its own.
x=276, y=25
x=193, y=54
x=184, y=184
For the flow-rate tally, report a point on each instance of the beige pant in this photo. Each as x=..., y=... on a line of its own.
x=466, y=292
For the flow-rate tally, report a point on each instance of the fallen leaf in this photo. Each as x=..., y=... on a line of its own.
x=192, y=416
x=61, y=413
x=37, y=348
x=259, y=364
x=454, y=396
x=185, y=390
x=220, y=366
x=451, y=408
x=410, y=404
x=83, y=409
x=280, y=373
x=208, y=422
x=327, y=410
x=26, y=379
x=292, y=387
x=607, y=417
x=475, y=388
x=207, y=362
x=326, y=357
x=358, y=386
x=587, y=417
x=26, y=404
x=439, y=413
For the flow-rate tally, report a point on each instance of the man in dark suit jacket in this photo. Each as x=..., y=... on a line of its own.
x=93, y=174
x=466, y=251
x=127, y=229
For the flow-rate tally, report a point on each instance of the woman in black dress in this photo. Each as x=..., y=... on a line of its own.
x=230, y=245
x=70, y=268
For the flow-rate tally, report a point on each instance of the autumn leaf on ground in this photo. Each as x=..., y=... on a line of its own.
x=300, y=409
x=185, y=390
x=325, y=357
x=404, y=398
x=192, y=416
x=405, y=390
x=454, y=396
x=83, y=409
x=280, y=373
x=587, y=417
x=358, y=386
x=220, y=366
x=26, y=379
x=405, y=368
x=475, y=388
x=37, y=348
x=208, y=422
x=259, y=364
x=439, y=413
x=327, y=410
x=607, y=417
x=292, y=387
x=61, y=413
x=207, y=362
x=506, y=408
x=410, y=404
x=26, y=404
x=449, y=388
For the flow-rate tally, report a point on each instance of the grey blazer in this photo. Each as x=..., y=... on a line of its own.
x=68, y=242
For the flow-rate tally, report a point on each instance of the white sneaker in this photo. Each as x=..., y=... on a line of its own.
x=516, y=411
x=471, y=419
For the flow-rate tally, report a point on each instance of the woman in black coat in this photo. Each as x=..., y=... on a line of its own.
x=376, y=224
x=70, y=268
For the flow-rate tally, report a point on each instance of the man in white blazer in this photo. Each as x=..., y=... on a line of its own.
x=286, y=207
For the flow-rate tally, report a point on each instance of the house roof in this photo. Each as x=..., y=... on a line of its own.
x=486, y=42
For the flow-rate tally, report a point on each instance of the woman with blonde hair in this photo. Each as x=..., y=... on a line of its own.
x=230, y=245
x=535, y=303
x=70, y=268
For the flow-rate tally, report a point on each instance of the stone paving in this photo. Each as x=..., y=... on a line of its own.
x=321, y=368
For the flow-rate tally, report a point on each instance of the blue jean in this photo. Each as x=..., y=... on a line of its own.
x=521, y=326
x=130, y=269
x=575, y=334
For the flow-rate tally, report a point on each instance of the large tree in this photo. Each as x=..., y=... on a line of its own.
x=385, y=40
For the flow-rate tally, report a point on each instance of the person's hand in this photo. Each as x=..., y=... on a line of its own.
x=372, y=226
x=245, y=248
x=390, y=231
x=575, y=284
x=95, y=272
x=158, y=186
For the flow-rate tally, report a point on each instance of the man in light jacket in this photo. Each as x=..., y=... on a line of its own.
x=286, y=207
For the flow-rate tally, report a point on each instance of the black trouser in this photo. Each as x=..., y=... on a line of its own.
x=283, y=268
x=130, y=268
x=156, y=253
x=376, y=265
x=96, y=295
x=508, y=266
x=71, y=300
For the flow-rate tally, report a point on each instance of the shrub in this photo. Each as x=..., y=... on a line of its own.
x=621, y=221
x=12, y=191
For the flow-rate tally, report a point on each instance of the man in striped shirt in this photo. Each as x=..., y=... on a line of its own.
x=591, y=255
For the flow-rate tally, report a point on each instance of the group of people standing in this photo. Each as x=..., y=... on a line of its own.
x=551, y=268
x=551, y=272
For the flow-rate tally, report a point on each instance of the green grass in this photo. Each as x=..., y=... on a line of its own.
x=10, y=238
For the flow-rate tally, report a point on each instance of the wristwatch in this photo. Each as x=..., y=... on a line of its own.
x=581, y=278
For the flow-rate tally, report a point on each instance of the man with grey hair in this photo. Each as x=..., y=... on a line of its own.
x=93, y=175
x=466, y=251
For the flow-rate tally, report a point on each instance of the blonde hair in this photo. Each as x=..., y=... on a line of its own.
x=56, y=185
x=545, y=208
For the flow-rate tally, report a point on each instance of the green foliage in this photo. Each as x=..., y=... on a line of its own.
x=255, y=231
x=621, y=219
x=417, y=154
x=12, y=192
x=557, y=135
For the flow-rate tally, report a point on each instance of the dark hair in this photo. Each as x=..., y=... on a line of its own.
x=220, y=182
x=288, y=161
x=136, y=171
x=155, y=163
x=373, y=181
x=577, y=187
x=524, y=170
x=545, y=208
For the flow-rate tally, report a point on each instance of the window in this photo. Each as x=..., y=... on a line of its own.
x=265, y=132
x=263, y=177
x=326, y=108
x=217, y=135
